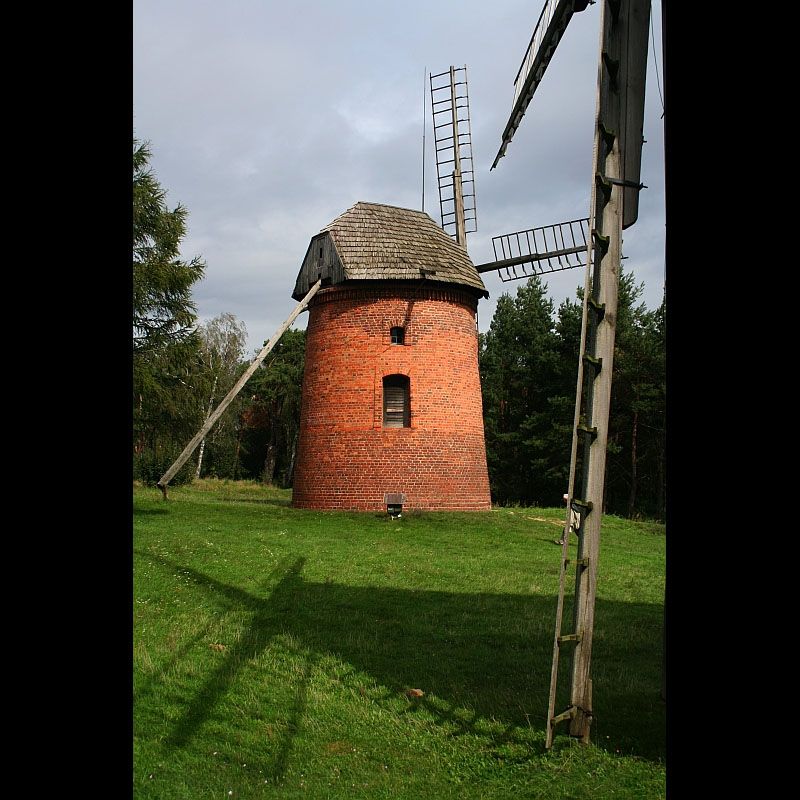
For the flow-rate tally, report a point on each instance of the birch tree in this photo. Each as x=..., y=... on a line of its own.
x=223, y=341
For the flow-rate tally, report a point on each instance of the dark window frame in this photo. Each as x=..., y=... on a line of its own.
x=396, y=404
x=397, y=335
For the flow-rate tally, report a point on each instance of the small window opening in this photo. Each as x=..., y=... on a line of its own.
x=398, y=335
x=396, y=412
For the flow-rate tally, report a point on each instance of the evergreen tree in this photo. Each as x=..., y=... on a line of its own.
x=521, y=379
x=637, y=424
x=529, y=372
x=163, y=311
x=270, y=424
x=166, y=404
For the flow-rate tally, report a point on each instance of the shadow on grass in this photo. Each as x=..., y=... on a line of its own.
x=478, y=657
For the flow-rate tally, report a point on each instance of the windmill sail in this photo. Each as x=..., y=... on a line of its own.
x=552, y=23
x=453, y=141
x=536, y=251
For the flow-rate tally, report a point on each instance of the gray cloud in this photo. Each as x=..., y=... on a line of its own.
x=267, y=120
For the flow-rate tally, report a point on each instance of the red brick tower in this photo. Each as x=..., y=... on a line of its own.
x=392, y=407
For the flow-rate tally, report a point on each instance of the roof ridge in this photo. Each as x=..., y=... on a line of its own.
x=366, y=205
x=385, y=242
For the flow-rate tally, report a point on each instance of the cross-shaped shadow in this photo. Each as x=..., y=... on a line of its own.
x=376, y=629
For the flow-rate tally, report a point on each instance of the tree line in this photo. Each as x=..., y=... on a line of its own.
x=182, y=370
x=528, y=368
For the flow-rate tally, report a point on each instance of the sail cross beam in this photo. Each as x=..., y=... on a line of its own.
x=550, y=248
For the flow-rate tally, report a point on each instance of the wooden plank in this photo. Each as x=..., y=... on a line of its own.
x=394, y=498
x=220, y=409
x=633, y=73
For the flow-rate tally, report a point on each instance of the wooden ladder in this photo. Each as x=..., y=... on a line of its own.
x=581, y=563
x=622, y=22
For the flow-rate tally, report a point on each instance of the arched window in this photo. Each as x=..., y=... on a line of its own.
x=398, y=335
x=396, y=411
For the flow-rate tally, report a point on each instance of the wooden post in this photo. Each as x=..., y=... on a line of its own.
x=458, y=194
x=617, y=149
x=217, y=413
x=607, y=217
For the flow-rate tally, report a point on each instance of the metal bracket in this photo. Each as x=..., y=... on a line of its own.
x=628, y=184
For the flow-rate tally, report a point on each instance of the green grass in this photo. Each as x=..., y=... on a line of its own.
x=273, y=649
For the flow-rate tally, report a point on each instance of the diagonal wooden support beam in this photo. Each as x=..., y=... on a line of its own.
x=212, y=419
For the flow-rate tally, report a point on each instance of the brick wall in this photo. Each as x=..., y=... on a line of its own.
x=346, y=459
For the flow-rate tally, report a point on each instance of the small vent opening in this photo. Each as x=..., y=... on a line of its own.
x=394, y=503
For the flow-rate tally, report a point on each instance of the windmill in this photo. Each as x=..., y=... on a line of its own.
x=393, y=248
x=613, y=207
x=595, y=243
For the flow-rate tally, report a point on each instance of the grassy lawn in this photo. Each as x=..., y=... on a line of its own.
x=286, y=653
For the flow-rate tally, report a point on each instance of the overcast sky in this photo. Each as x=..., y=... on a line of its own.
x=267, y=120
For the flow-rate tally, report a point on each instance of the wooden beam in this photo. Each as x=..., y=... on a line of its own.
x=220, y=409
x=490, y=266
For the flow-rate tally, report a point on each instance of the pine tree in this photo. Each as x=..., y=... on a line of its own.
x=637, y=425
x=166, y=403
x=163, y=311
x=529, y=369
x=522, y=396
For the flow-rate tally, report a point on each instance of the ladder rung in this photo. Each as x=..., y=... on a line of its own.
x=568, y=714
x=581, y=562
x=598, y=308
x=603, y=185
x=601, y=241
x=570, y=637
x=608, y=135
x=587, y=431
x=583, y=506
x=597, y=363
x=612, y=65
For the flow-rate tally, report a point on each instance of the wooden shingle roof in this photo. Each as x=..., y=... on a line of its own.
x=371, y=241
